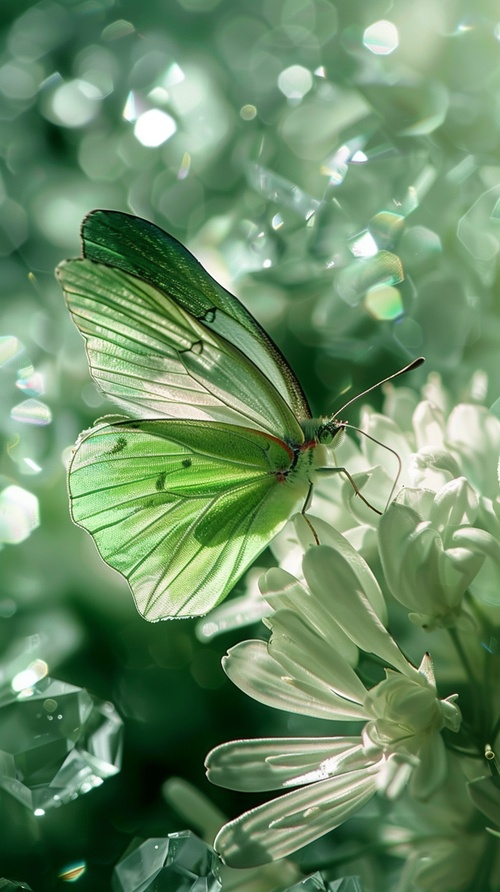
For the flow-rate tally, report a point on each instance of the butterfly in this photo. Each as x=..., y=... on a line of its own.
x=222, y=448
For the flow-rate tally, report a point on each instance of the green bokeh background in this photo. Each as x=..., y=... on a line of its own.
x=291, y=138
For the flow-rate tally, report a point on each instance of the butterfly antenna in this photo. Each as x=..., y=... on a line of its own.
x=389, y=449
x=408, y=368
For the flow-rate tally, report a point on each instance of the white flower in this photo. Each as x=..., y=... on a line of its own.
x=438, y=545
x=307, y=667
x=440, y=537
x=444, y=842
x=431, y=552
x=435, y=444
x=467, y=441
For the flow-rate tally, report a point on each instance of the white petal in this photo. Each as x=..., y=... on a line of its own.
x=253, y=670
x=475, y=432
x=431, y=773
x=330, y=575
x=478, y=540
x=277, y=828
x=375, y=484
x=454, y=505
x=281, y=589
x=395, y=773
x=267, y=764
x=432, y=468
x=294, y=645
x=427, y=583
x=486, y=584
x=329, y=536
x=452, y=716
x=418, y=500
x=426, y=669
x=395, y=526
x=428, y=423
x=237, y=612
x=384, y=430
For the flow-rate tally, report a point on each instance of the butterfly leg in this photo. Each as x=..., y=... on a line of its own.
x=308, y=499
x=351, y=481
x=305, y=507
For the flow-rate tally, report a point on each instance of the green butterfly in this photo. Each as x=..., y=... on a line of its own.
x=183, y=502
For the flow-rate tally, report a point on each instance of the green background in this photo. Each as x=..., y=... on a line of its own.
x=291, y=139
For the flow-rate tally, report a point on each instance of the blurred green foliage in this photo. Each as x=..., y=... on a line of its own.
x=342, y=177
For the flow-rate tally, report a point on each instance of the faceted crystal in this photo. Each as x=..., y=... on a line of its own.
x=313, y=883
x=179, y=862
x=316, y=883
x=13, y=886
x=57, y=741
x=19, y=514
x=346, y=884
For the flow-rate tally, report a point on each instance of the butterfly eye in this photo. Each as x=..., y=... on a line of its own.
x=327, y=432
x=325, y=436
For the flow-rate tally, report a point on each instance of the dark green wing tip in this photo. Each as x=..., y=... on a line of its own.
x=134, y=244
x=100, y=217
x=99, y=224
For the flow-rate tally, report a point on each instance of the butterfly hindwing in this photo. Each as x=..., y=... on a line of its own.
x=181, y=508
x=155, y=359
x=145, y=251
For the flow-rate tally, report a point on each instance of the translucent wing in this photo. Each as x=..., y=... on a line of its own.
x=181, y=508
x=142, y=249
x=155, y=359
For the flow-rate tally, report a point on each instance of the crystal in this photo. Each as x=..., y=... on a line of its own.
x=281, y=191
x=478, y=228
x=295, y=81
x=19, y=514
x=179, y=862
x=346, y=884
x=386, y=228
x=32, y=411
x=9, y=347
x=313, y=883
x=384, y=302
x=72, y=872
x=13, y=886
x=381, y=38
x=154, y=127
x=316, y=883
x=384, y=268
x=57, y=741
x=30, y=381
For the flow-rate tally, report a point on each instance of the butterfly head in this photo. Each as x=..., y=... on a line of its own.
x=329, y=430
x=323, y=431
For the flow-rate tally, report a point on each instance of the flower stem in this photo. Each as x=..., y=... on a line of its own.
x=462, y=655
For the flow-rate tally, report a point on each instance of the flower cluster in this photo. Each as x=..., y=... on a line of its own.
x=435, y=553
x=306, y=668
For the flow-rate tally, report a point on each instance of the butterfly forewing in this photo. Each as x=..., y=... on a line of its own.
x=141, y=249
x=157, y=360
x=181, y=508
